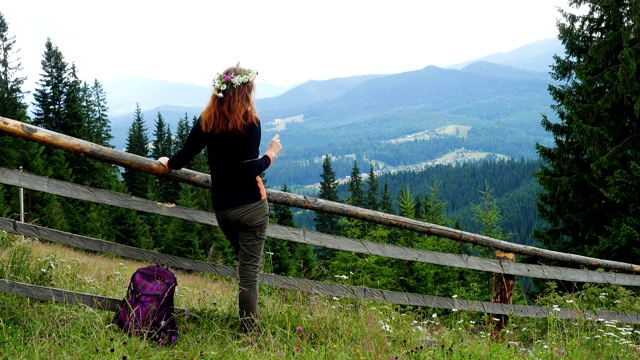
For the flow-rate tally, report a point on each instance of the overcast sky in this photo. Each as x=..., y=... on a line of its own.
x=287, y=42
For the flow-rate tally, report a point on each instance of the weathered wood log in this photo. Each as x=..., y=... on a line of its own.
x=98, y=152
x=82, y=192
x=502, y=293
x=74, y=145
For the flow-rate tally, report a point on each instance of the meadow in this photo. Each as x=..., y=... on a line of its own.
x=295, y=325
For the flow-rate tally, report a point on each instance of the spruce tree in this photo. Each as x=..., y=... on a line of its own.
x=386, y=206
x=281, y=213
x=164, y=190
x=327, y=223
x=136, y=181
x=12, y=103
x=73, y=121
x=182, y=133
x=183, y=238
x=128, y=227
x=49, y=106
x=590, y=175
x=98, y=131
x=289, y=258
x=356, y=194
x=386, y=203
x=12, y=106
x=98, y=124
x=49, y=96
x=408, y=239
x=371, y=200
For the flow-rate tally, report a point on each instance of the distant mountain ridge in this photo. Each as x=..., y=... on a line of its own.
x=353, y=118
x=124, y=93
x=536, y=56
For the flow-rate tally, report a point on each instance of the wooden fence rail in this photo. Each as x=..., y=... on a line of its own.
x=105, y=154
x=81, y=192
x=283, y=282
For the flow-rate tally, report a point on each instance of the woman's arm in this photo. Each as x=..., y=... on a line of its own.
x=196, y=141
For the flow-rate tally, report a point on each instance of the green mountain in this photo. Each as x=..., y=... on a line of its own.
x=363, y=117
x=500, y=105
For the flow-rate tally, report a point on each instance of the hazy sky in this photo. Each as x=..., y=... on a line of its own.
x=287, y=42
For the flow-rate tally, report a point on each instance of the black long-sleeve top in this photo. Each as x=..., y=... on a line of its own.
x=234, y=164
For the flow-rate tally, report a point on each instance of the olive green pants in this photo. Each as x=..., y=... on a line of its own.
x=245, y=227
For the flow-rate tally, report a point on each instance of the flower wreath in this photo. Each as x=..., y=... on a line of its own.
x=223, y=81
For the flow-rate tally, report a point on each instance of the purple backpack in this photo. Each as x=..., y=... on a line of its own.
x=147, y=311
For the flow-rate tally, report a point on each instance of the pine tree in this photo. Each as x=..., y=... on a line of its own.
x=371, y=201
x=127, y=226
x=73, y=122
x=49, y=96
x=164, y=190
x=136, y=181
x=287, y=257
x=98, y=131
x=49, y=106
x=12, y=106
x=99, y=126
x=182, y=133
x=434, y=209
x=83, y=171
x=590, y=176
x=161, y=145
x=356, y=193
x=12, y=103
x=327, y=223
x=183, y=236
x=408, y=239
x=46, y=209
x=282, y=213
x=386, y=204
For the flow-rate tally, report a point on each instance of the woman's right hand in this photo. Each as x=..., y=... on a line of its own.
x=274, y=146
x=164, y=161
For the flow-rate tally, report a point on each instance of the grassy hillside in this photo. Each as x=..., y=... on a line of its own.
x=295, y=325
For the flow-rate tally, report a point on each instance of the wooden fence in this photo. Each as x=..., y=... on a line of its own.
x=61, y=188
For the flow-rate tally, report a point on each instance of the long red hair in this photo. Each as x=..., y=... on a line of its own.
x=233, y=112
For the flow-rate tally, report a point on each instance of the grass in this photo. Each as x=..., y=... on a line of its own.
x=295, y=325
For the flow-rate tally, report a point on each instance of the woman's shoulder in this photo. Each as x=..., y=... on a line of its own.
x=254, y=125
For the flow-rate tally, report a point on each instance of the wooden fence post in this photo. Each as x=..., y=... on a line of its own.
x=502, y=293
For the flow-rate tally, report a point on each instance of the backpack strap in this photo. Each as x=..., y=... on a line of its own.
x=162, y=262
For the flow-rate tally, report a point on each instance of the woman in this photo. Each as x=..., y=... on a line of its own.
x=229, y=127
